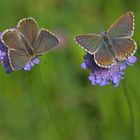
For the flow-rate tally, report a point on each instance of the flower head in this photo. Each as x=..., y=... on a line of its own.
x=104, y=76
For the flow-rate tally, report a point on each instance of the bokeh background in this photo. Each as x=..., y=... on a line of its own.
x=56, y=101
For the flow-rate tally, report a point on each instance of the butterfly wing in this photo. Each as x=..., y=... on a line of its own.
x=124, y=48
x=29, y=28
x=17, y=54
x=18, y=60
x=120, y=35
x=45, y=42
x=103, y=56
x=89, y=42
x=123, y=27
x=12, y=40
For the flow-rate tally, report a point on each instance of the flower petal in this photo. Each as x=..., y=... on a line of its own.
x=132, y=60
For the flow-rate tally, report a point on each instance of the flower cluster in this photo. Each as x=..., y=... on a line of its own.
x=5, y=60
x=104, y=76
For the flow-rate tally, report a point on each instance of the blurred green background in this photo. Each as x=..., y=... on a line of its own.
x=79, y=111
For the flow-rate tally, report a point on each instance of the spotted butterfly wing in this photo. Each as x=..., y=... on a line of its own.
x=123, y=27
x=103, y=57
x=45, y=42
x=29, y=29
x=89, y=42
x=120, y=34
x=17, y=54
x=18, y=59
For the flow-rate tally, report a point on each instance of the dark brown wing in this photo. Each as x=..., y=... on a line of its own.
x=124, y=48
x=103, y=57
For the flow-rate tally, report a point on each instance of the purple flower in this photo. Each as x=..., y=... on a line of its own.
x=30, y=64
x=104, y=76
x=5, y=60
x=4, y=57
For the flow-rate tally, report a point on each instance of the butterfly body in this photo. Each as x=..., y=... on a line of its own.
x=26, y=42
x=108, y=44
x=28, y=47
x=113, y=46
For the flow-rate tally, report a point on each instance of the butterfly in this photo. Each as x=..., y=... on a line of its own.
x=113, y=46
x=26, y=42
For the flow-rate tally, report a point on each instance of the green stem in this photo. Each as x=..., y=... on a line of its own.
x=46, y=98
x=130, y=107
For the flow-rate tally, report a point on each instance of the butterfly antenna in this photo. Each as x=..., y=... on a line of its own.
x=46, y=99
x=130, y=107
